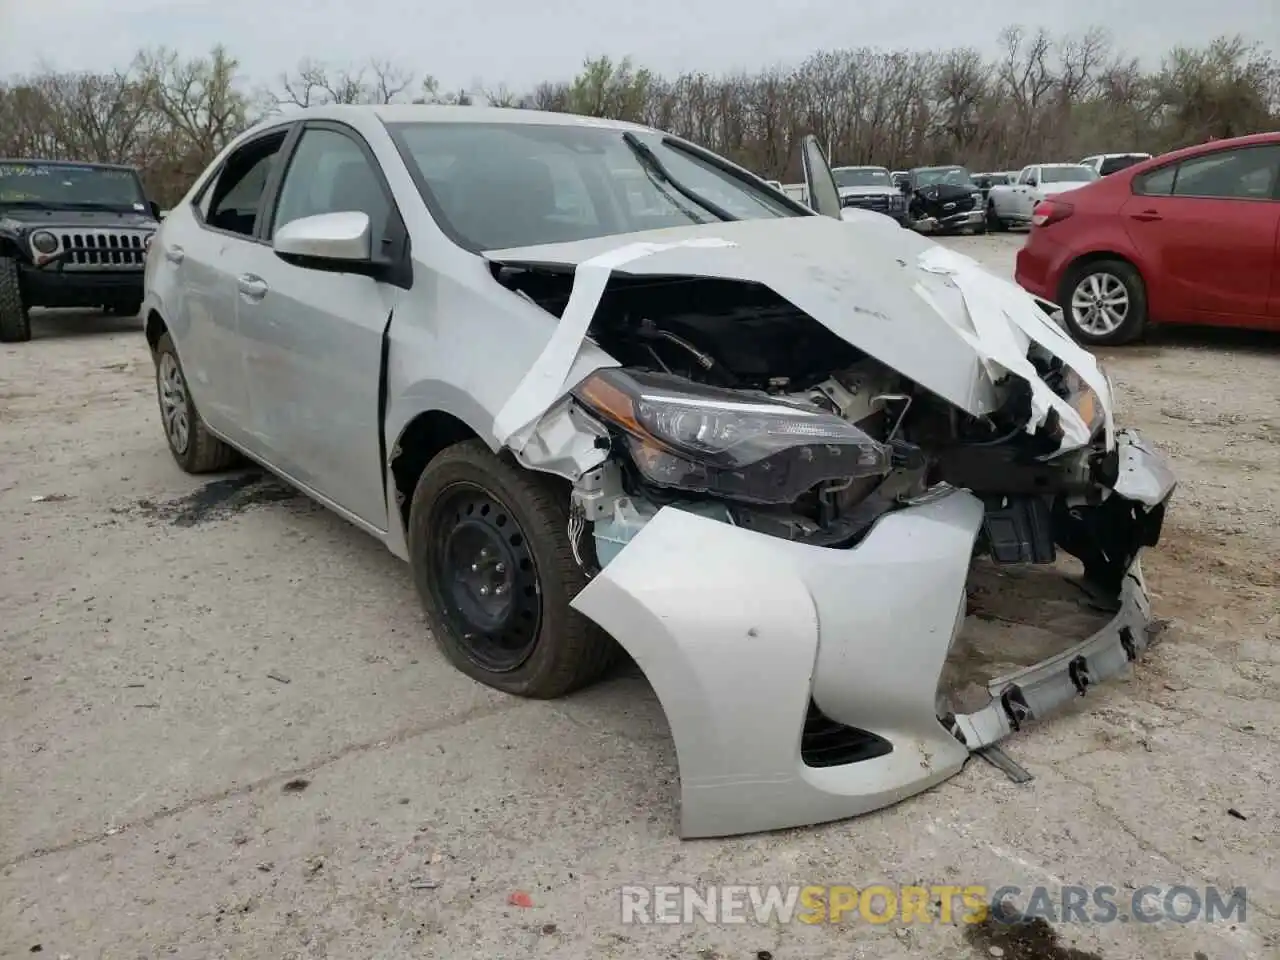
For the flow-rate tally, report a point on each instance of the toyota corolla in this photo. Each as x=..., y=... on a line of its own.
x=605, y=390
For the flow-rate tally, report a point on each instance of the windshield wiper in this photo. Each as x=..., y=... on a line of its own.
x=657, y=167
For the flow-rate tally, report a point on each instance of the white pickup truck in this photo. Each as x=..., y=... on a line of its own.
x=1011, y=204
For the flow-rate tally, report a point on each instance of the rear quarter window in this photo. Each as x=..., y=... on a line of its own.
x=1157, y=183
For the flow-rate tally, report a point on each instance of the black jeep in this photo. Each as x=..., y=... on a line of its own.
x=71, y=235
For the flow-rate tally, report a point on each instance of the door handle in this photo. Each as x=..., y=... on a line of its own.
x=251, y=286
x=1146, y=216
x=174, y=254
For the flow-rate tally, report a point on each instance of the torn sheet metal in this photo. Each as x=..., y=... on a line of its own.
x=545, y=381
x=996, y=308
x=855, y=282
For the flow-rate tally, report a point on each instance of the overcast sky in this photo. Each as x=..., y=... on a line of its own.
x=519, y=42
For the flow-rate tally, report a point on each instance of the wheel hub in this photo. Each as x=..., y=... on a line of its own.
x=174, y=408
x=485, y=578
x=1100, y=303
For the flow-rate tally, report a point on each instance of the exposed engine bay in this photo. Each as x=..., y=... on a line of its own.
x=732, y=402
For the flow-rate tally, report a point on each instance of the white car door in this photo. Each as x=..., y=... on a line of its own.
x=312, y=335
x=1024, y=195
x=202, y=245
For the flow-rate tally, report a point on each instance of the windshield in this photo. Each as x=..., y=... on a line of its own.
x=862, y=177
x=65, y=184
x=497, y=185
x=953, y=176
x=1069, y=173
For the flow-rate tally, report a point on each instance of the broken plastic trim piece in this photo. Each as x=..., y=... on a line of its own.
x=1041, y=689
x=545, y=381
x=991, y=302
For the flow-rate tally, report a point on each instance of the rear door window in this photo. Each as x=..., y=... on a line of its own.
x=1248, y=173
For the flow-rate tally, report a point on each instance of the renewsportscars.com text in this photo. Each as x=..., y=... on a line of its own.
x=939, y=903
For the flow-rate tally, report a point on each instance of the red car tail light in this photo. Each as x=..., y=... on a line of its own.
x=1050, y=211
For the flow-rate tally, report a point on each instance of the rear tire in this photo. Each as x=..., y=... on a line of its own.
x=195, y=449
x=481, y=529
x=15, y=321
x=1104, y=302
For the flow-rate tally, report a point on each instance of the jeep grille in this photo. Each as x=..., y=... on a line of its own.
x=102, y=250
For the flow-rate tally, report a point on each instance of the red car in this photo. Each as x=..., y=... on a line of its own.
x=1191, y=236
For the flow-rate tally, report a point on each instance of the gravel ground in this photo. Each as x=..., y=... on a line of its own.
x=224, y=733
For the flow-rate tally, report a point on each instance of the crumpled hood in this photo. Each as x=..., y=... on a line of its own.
x=935, y=316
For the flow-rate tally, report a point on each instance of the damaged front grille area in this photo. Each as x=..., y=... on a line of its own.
x=828, y=743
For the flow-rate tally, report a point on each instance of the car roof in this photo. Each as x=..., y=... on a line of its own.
x=439, y=113
x=859, y=166
x=1198, y=149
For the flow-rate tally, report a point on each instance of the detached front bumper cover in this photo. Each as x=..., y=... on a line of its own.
x=746, y=639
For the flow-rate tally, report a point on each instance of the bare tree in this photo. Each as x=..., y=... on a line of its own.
x=1041, y=98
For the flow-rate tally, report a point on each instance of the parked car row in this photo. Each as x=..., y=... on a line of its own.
x=950, y=199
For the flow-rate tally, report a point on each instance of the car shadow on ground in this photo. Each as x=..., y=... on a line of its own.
x=64, y=324
x=1258, y=342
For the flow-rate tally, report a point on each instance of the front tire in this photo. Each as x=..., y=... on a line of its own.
x=994, y=223
x=1104, y=303
x=194, y=448
x=495, y=572
x=15, y=321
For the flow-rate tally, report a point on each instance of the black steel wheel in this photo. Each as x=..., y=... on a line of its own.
x=489, y=546
x=487, y=581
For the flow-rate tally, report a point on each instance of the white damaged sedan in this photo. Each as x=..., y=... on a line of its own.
x=857, y=508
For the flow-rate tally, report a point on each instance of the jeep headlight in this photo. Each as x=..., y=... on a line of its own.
x=687, y=436
x=42, y=241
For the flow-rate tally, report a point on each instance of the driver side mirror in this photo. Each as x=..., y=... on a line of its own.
x=1032, y=182
x=341, y=242
x=156, y=212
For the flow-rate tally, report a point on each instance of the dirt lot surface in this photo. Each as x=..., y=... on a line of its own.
x=224, y=733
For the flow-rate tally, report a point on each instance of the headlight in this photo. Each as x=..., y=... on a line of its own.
x=44, y=242
x=687, y=436
x=1084, y=400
